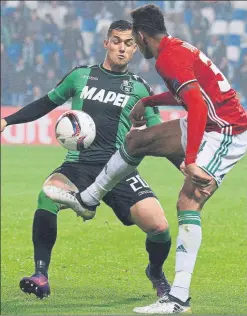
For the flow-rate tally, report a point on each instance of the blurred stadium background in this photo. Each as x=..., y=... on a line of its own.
x=42, y=40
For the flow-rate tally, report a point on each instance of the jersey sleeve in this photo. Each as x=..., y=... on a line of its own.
x=65, y=89
x=177, y=68
x=152, y=114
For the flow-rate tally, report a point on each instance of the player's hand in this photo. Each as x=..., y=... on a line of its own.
x=3, y=125
x=137, y=114
x=182, y=168
x=199, y=177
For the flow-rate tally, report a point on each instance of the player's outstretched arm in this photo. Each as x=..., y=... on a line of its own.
x=30, y=112
x=165, y=98
x=137, y=114
x=197, y=118
x=57, y=96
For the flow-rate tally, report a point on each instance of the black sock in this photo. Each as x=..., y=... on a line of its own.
x=158, y=252
x=44, y=238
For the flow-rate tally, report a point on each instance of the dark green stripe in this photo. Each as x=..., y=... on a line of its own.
x=224, y=153
x=190, y=221
x=161, y=237
x=132, y=162
x=220, y=153
x=185, y=213
x=215, y=157
x=189, y=217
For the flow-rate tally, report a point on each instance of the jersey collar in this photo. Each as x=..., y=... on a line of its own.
x=114, y=73
x=163, y=43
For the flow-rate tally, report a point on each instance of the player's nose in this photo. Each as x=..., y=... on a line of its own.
x=122, y=48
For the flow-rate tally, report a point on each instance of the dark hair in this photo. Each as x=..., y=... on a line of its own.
x=121, y=25
x=148, y=18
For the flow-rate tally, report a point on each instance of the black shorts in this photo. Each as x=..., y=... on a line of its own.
x=124, y=195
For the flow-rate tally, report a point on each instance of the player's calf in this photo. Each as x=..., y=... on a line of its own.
x=189, y=205
x=192, y=198
x=149, y=216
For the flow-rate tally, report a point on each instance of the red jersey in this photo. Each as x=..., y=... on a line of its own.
x=180, y=63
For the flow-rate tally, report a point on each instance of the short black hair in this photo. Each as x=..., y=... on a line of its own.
x=148, y=18
x=121, y=25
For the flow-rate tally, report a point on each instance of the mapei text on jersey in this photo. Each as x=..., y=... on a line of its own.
x=117, y=99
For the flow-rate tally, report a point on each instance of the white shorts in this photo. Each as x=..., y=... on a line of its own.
x=218, y=153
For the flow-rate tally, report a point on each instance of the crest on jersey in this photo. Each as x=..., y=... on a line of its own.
x=127, y=86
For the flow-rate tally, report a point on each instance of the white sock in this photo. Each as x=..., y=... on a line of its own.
x=114, y=171
x=188, y=244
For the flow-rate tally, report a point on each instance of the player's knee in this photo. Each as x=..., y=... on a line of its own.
x=132, y=143
x=160, y=234
x=47, y=204
x=54, y=181
x=158, y=228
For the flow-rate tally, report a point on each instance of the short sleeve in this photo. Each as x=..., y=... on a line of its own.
x=152, y=114
x=177, y=67
x=64, y=90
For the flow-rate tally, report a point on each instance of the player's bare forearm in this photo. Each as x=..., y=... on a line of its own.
x=137, y=114
x=165, y=98
x=197, y=118
x=31, y=112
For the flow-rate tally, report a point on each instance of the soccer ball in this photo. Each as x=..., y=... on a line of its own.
x=75, y=130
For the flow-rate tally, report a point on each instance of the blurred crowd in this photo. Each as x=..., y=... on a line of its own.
x=42, y=40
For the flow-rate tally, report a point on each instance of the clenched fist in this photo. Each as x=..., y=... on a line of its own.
x=137, y=114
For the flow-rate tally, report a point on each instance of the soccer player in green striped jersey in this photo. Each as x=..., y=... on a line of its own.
x=107, y=92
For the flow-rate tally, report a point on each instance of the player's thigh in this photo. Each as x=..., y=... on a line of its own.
x=61, y=181
x=60, y=178
x=163, y=140
x=218, y=153
x=190, y=198
x=128, y=198
x=72, y=176
x=69, y=176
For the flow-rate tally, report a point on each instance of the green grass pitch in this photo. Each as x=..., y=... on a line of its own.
x=98, y=266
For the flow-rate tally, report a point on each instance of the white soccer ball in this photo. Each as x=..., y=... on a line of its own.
x=75, y=130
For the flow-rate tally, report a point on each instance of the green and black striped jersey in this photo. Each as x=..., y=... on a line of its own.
x=108, y=97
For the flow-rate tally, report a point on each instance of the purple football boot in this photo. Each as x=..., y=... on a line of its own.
x=37, y=284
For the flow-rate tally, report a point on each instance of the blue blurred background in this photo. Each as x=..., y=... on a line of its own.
x=42, y=40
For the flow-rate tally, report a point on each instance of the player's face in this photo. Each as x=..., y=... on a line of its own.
x=143, y=45
x=120, y=47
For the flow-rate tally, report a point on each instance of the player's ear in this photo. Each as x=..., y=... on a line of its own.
x=106, y=42
x=135, y=48
x=140, y=34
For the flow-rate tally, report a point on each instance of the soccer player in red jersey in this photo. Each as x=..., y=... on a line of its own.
x=212, y=139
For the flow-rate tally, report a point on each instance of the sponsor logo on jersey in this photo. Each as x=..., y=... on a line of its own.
x=127, y=86
x=89, y=77
x=103, y=96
